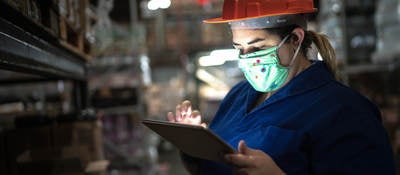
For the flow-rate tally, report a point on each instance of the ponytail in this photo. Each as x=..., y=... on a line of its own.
x=321, y=42
x=324, y=48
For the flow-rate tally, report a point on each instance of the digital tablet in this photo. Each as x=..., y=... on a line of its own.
x=193, y=140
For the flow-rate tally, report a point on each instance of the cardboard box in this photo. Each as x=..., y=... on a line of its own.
x=54, y=23
x=33, y=10
x=83, y=133
x=20, y=140
x=97, y=167
x=52, y=149
x=19, y=5
x=61, y=7
x=50, y=160
x=82, y=152
x=51, y=167
x=58, y=161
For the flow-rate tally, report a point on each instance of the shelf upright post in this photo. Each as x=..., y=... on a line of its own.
x=80, y=93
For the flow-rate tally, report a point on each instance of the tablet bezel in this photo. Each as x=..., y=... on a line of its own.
x=207, y=145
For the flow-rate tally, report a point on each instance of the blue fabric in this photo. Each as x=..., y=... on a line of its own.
x=312, y=125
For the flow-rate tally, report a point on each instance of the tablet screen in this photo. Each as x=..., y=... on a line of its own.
x=193, y=140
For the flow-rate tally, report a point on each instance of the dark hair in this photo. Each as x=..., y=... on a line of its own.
x=320, y=40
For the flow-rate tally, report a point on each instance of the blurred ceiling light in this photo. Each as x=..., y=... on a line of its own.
x=211, y=93
x=218, y=57
x=227, y=54
x=156, y=4
x=152, y=5
x=164, y=4
x=211, y=79
x=210, y=61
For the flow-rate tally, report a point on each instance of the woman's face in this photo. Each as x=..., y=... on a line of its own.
x=252, y=40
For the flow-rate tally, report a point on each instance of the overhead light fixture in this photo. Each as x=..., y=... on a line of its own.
x=211, y=93
x=210, y=61
x=158, y=4
x=218, y=57
x=152, y=5
x=164, y=4
x=211, y=79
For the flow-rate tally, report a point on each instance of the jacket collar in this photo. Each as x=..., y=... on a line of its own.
x=313, y=77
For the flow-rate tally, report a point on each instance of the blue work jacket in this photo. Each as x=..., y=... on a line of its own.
x=312, y=125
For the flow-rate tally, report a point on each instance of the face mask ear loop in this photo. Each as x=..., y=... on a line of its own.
x=295, y=55
x=283, y=41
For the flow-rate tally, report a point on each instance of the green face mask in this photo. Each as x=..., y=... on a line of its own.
x=263, y=70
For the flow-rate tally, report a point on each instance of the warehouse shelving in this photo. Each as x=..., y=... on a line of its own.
x=24, y=52
x=371, y=68
x=367, y=67
x=34, y=56
x=30, y=48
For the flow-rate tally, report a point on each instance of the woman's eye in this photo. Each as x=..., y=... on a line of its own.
x=254, y=49
x=251, y=49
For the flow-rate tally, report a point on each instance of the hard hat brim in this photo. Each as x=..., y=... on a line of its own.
x=222, y=20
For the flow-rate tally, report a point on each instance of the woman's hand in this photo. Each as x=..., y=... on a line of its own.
x=252, y=162
x=185, y=114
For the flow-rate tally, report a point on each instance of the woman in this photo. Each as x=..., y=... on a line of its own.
x=291, y=116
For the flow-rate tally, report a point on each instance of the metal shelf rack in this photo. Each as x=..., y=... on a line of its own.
x=371, y=68
x=26, y=47
x=23, y=52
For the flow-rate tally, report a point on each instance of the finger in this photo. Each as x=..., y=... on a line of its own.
x=204, y=125
x=171, y=117
x=186, y=104
x=196, y=117
x=195, y=114
x=242, y=147
x=178, y=115
x=239, y=160
x=187, y=107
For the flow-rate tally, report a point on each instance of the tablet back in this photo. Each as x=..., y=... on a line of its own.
x=193, y=140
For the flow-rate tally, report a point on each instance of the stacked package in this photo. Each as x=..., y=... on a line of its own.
x=387, y=20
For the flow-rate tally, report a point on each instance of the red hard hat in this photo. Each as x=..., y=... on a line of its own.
x=234, y=10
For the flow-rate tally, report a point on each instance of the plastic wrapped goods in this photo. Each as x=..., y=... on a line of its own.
x=331, y=23
x=387, y=19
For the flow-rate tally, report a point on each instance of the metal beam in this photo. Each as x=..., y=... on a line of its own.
x=21, y=51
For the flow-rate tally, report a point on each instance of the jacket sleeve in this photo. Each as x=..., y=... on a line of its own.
x=353, y=143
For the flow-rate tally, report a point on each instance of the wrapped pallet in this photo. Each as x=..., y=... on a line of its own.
x=387, y=19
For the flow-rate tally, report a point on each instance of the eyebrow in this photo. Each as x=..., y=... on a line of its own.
x=251, y=42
